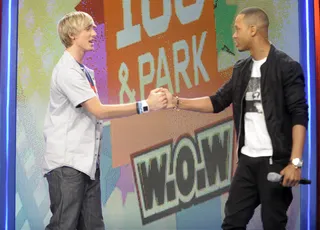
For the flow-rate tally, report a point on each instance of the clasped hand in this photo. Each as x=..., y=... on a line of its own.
x=159, y=98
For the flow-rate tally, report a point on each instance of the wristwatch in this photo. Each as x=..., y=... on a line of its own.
x=144, y=106
x=297, y=162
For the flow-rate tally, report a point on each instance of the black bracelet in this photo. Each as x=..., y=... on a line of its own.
x=137, y=107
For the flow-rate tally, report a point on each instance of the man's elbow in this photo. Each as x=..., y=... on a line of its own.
x=299, y=112
x=99, y=116
x=96, y=109
x=99, y=113
x=300, y=118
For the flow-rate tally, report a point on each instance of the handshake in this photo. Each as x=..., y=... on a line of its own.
x=160, y=98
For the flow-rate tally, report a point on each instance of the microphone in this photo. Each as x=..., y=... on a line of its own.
x=275, y=177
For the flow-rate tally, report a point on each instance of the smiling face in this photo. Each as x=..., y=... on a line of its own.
x=243, y=34
x=84, y=40
x=76, y=30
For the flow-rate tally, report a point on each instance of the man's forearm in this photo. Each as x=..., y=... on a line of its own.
x=298, y=138
x=201, y=104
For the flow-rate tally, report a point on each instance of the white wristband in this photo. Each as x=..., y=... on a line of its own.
x=144, y=106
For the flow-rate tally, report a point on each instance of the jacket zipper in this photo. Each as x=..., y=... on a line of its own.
x=240, y=124
x=270, y=159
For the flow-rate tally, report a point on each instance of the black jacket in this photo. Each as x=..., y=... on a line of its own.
x=282, y=95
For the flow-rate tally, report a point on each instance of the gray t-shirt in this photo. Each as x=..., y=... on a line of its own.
x=72, y=135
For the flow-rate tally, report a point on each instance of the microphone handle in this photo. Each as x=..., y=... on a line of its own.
x=305, y=181
x=302, y=181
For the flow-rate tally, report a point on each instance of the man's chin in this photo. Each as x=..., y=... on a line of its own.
x=241, y=49
x=90, y=49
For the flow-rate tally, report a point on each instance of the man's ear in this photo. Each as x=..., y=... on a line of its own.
x=253, y=30
x=71, y=36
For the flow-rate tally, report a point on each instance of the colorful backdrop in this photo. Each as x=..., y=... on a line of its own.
x=164, y=170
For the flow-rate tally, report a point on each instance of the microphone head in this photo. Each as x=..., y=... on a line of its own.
x=274, y=177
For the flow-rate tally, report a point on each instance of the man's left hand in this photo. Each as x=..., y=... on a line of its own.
x=291, y=176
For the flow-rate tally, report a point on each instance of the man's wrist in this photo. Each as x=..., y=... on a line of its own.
x=142, y=107
x=176, y=103
x=297, y=162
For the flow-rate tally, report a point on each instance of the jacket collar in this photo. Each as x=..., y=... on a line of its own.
x=270, y=54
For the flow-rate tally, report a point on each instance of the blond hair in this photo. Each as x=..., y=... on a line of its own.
x=72, y=24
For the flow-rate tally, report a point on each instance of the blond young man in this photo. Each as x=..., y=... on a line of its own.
x=73, y=126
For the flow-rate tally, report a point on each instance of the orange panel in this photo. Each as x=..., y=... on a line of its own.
x=150, y=46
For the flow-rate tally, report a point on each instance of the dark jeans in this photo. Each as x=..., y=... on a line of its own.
x=75, y=200
x=249, y=188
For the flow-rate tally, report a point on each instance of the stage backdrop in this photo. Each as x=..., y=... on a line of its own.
x=162, y=170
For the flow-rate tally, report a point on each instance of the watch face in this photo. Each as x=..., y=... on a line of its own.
x=145, y=108
x=296, y=162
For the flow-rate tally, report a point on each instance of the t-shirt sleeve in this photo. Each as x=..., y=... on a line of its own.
x=75, y=86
